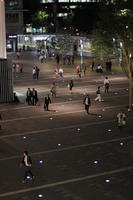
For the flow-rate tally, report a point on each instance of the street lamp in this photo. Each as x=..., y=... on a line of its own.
x=81, y=54
x=121, y=56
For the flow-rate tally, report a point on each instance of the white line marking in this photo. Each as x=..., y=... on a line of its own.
x=68, y=181
x=58, y=128
x=58, y=103
x=56, y=114
x=70, y=148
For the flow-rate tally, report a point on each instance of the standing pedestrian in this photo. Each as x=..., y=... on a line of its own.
x=27, y=162
x=47, y=101
x=78, y=71
x=92, y=65
x=57, y=59
x=34, y=72
x=107, y=66
x=34, y=97
x=28, y=96
x=106, y=84
x=87, y=103
x=110, y=66
x=37, y=72
x=21, y=68
x=121, y=119
x=70, y=85
x=98, y=93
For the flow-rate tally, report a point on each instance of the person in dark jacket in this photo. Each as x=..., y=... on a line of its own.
x=47, y=101
x=87, y=103
x=27, y=162
x=34, y=97
x=28, y=96
x=70, y=85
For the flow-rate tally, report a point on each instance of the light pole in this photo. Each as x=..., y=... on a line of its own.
x=6, y=85
x=81, y=54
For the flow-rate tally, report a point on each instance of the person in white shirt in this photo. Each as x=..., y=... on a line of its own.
x=61, y=72
x=106, y=84
x=99, y=69
x=34, y=72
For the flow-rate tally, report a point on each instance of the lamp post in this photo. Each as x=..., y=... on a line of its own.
x=6, y=86
x=81, y=54
x=121, y=56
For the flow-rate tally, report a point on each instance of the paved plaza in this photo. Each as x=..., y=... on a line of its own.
x=75, y=156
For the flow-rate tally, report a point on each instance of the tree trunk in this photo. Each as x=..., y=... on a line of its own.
x=128, y=62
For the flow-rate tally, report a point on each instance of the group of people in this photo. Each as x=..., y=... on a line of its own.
x=35, y=72
x=32, y=97
x=17, y=67
x=99, y=68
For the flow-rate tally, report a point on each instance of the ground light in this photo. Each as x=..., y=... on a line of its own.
x=107, y=180
x=40, y=196
x=41, y=161
x=96, y=162
x=121, y=143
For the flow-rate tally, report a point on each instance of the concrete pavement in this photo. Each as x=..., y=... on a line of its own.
x=82, y=156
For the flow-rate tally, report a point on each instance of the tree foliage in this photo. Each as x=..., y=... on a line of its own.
x=115, y=24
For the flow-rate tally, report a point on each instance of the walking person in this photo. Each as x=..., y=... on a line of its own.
x=87, y=103
x=37, y=72
x=53, y=90
x=121, y=119
x=70, y=85
x=47, y=101
x=34, y=72
x=106, y=84
x=34, y=97
x=98, y=93
x=28, y=96
x=56, y=72
x=18, y=54
x=61, y=72
x=27, y=162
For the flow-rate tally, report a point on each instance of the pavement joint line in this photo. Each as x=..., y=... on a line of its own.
x=57, y=103
x=68, y=181
x=57, y=128
x=70, y=148
x=57, y=114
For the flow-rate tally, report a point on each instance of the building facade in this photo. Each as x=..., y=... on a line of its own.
x=14, y=17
